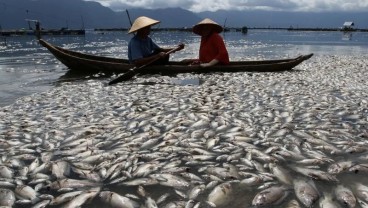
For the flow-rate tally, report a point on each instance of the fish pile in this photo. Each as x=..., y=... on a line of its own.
x=292, y=139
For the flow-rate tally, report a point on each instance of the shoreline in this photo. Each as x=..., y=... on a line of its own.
x=81, y=32
x=239, y=29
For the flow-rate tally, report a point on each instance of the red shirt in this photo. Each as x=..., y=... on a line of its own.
x=213, y=47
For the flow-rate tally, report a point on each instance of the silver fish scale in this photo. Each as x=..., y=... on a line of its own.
x=222, y=143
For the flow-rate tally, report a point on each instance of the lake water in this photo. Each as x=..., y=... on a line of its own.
x=204, y=139
x=26, y=67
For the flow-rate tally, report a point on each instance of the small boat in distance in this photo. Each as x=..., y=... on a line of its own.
x=90, y=63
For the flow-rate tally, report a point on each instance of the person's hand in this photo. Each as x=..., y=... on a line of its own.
x=205, y=65
x=161, y=54
x=211, y=63
x=181, y=46
x=195, y=62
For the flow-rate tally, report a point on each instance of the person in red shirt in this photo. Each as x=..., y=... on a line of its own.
x=212, y=50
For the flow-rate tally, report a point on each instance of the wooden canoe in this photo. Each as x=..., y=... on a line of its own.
x=90, y=63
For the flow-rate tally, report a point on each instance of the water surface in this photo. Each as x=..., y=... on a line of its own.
x=26, y=67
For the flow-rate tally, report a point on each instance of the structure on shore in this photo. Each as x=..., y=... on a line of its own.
x=348, y=26
x=41, y=31
x=62, y=31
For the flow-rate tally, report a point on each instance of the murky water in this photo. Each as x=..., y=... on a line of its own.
x=224, y=128
x=26, y=67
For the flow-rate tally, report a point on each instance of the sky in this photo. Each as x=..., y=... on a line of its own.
x=214, y=5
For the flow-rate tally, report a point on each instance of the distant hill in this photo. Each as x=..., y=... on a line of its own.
x=170, y=17
x=54, y=14
x=75, y=14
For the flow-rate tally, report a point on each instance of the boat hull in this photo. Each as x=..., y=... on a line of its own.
x=91, y=63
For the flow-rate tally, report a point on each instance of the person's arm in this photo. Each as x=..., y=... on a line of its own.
x=181, y=46
x=161, y=54
x=211, y=63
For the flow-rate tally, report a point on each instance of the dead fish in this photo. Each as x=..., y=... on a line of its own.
x=211, y=142
x=211, y=185
x=150, y=143
x=116, y=200
x=356, y=149
x=362, y=203
x=34, y=165
x=42, y=203
x=81, y=199
x=315, y=154
x=148, y=202
x=221, y=194
x=223, y=173
x=306, y=192
x=345, y=196
x=7, y=197
x=175, y=204
x=281, y=173
x=141, y=181
x=339, y=167
x=327, y=201
x=46, y=197
x=6, y=172
x=190, y=203
x=196, y=191
x=166, y=179
x=145, y=169
x=60, y=169
x=259, y=155
x=72, y=183
x=191, y=177
x=331, y=149
x=359, y=168
x=24, y=202
x=270, y=196
x=233, y=170
x=23, y=172
x=7, y=184
x=360, y=190
x=251, y=181
x=162, y=198
x=62, y=198
x=43, y=168
x=26, y=192
x=315, y=174
x=313, y=161
x=87, y=174
x=293, y=204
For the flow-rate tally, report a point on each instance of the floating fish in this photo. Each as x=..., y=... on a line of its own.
x=270, y=196
x=306, y=192
x=345, y=196
x=221, y=194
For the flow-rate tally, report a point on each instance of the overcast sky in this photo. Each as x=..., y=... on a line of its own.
x=213, y=5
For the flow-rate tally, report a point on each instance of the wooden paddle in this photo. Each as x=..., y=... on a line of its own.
x=135, y=70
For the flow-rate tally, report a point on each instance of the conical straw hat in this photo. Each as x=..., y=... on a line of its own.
x=197, y=29
x=142, y=22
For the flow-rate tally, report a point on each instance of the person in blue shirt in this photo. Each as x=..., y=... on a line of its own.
x=141, y=48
